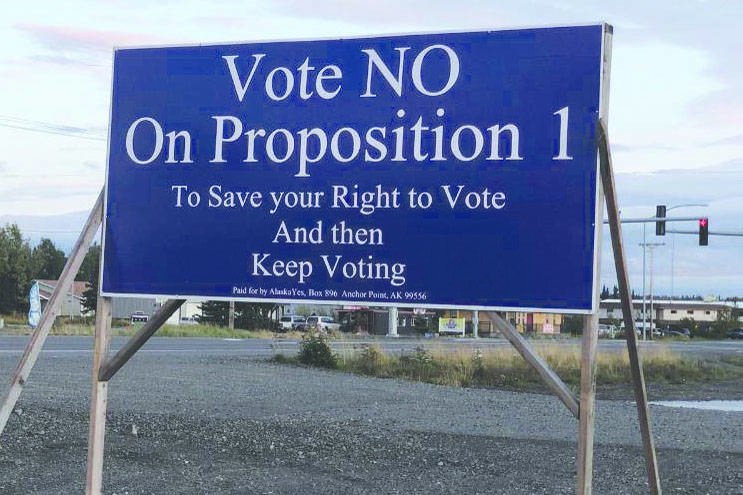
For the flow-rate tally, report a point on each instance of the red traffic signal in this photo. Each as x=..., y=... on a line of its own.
x=703, y=231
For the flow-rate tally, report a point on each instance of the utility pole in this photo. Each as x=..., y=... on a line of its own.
x=650, y=245
x=644, y=312
x=651, y=292
x=656, y=219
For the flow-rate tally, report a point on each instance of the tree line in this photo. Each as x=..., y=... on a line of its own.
x=21, y=263
x=248, y=316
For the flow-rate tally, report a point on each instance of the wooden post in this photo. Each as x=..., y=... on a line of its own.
x=625, y=294
x=231, y=318
x=36, y=342
x=591, y=322
x=535, y=361
x=98, y=398
x=587, y=404
x=392, y=322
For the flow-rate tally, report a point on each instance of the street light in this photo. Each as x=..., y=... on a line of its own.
x=673, y=238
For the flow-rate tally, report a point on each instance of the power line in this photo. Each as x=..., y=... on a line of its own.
x=48, y=128
x=50, y=231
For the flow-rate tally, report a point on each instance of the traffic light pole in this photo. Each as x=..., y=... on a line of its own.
x=658, y=219
x=694, y=232
x=664, y=210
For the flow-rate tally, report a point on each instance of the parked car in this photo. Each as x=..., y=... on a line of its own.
x=607, y=331
x=675, y=331
x=736, y=333
x=638, y=327
x=287, y=323
x=139, y=317
x=322, y=323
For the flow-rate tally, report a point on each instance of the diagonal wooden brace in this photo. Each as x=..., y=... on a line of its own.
x=535, y=361
x=36, y=342
x=109, y=369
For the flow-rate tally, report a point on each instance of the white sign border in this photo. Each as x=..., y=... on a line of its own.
x=598, y=204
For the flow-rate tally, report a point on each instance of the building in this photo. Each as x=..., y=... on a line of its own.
x=548, y=323
x=668, y=311
x=72, y=303
x=122, y=308
x=485, y=325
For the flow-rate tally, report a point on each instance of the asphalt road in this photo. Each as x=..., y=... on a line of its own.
x=193, y=416
x=14, y=345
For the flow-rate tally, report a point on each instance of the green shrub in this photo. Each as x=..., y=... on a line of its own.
x=315, y=351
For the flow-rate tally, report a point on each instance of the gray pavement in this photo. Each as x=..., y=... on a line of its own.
x=14, y=345
x=212, y=416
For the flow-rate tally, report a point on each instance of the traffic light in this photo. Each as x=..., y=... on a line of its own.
x=660, y=227
x=703, y=231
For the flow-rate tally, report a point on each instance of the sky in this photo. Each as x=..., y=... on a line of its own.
x=676, y=105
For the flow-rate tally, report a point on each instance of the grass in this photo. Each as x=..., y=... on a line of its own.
x=14, y=319
x=64, y=328
x=504, y=368
x=733, y=360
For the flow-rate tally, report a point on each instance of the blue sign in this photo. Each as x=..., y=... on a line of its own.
x=435, y=170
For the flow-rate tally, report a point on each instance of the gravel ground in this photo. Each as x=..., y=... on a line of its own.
x=199, y=423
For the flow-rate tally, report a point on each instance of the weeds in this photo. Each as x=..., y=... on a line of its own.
x=504, y=368
x=315, y=351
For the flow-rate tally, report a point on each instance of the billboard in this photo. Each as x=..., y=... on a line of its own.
x=451, y=325
x=446, y=169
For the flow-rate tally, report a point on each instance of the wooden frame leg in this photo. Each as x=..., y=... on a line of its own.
x=98, y=399
x=625, y=294
x=36, y=342
x=587, y=405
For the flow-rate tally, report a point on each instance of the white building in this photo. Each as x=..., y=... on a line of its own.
x=667, y=311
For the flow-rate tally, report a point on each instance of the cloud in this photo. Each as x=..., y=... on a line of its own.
x=61, y=60
x=82, y=40
x=731, y=140
x=3, y=166
x=621, y=148
x=706, y=185
x=50, y=128
x=391, y=13
x=91, y=165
